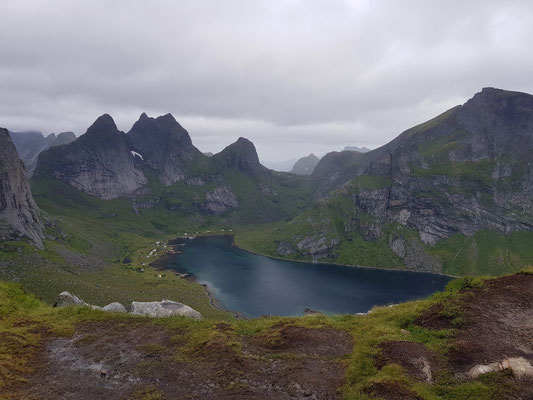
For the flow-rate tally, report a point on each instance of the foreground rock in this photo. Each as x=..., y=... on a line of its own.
x=115, y=307
x=164, y=308
x=66, y=299
x=519, y=365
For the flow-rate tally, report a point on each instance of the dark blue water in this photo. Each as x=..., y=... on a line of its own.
x=255, y=285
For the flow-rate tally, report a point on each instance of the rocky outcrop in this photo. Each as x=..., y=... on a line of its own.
x=19, y=215
x=240, y=155
x=30, y=144
x=305, y=165
x=164, y=308
x=165, y=146
x=115, y=307
x=99, y=162
x=519, y=365
x=65, y=299
x=220, y=200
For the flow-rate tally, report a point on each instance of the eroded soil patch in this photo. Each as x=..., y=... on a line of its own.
x=124, y=360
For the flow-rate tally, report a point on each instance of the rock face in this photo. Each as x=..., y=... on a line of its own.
x=220, y=200
x=466, y=170
x=30, y=144
x=305, y=165
x=99, y=162
x=165, y=146
x=19, y=215
x=164, y=308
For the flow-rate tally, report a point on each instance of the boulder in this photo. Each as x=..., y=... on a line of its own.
x=519, y=365
x=67, y=299
x=164, y=308
x=115, y=307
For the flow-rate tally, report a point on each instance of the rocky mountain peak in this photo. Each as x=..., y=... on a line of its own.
x=99, y=162
x=240, y=155
x=305, y=165
x=104, y=124
x=165, y=145
x=19, y=216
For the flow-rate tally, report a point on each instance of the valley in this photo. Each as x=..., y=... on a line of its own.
x=450, y=198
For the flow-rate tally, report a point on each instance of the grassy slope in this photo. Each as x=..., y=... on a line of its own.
x=485, y=253
x=25, y=322
x=93, y=236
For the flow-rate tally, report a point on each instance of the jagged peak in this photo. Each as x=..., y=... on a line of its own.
x=241, y=155
x=103, y=124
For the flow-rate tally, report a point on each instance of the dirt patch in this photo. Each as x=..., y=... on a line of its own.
x=391, y=391
x=434, y=319
x=414, y=357
x=300, y=340
x=119, y=360
x=498, y=323
x=495, y=323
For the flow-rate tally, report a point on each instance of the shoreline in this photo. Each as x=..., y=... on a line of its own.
x=334, y=263
x=213, y=301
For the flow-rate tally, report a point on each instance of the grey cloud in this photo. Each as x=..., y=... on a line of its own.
x=293, y=76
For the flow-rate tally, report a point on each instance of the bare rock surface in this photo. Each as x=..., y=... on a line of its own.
x=19, y=215
x=164, y=308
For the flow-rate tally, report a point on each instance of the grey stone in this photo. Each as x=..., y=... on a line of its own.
x=67, y=299
x=164, y=308
x=115, y=307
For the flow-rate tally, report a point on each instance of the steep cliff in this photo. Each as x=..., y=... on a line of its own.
x=19, y=216
x=467, y=170
x=165, y=146
x=99, y=162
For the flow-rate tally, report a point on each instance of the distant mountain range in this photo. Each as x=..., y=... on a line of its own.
x=358, y=149
x=155, y=164
x=305, y=165
x=30, y=144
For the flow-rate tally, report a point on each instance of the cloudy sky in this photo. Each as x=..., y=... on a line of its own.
x=294, y=76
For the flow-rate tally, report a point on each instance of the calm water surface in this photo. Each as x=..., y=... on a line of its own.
x=255, y=285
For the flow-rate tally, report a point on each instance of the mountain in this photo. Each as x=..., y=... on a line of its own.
x=99, y=162
x=165, y=146
x=358, y=149
x=305, y=165
x=19, y=216
x=240, y=155
x=156, y=168
x=460, y=179
x=30, y=144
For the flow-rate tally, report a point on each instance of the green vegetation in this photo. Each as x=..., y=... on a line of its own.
x=25, y=322
x=485, y=253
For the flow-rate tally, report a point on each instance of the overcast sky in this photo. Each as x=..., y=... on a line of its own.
x=293, y=76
